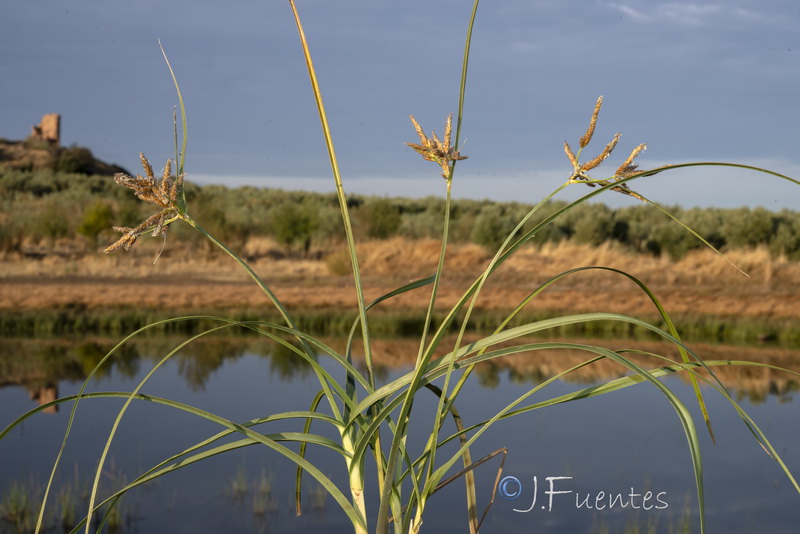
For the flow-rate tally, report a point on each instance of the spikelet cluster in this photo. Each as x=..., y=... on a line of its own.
x=436, y=150
x=163, y=194
x=580, y=170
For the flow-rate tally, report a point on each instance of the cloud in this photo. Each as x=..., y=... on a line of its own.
x=631, y=12
x=683, y=14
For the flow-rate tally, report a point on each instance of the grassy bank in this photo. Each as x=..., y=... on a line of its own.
x=396, y=323
x=707, y=297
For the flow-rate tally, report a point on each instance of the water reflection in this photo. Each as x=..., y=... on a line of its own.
x=39, y=365
x=624, y=440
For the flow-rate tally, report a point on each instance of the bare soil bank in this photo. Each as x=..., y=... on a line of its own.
x=700, y=284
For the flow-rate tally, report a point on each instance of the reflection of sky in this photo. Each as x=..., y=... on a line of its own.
x=631, y=438
x=696, y=81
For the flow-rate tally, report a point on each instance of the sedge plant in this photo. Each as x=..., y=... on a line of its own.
x=373, y=421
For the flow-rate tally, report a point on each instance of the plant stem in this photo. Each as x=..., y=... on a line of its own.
x=354, y=465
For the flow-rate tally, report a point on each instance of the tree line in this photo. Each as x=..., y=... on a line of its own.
x=41, y=207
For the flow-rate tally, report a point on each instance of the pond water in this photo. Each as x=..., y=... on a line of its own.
x=608, y=464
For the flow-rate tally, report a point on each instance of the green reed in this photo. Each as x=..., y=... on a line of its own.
x=372, y=421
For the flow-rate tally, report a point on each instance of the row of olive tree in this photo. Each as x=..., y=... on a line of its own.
x=42, y=207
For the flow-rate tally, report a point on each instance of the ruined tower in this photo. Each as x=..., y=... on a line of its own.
x=49, y=129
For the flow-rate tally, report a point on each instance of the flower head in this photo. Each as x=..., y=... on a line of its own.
x=579, y=170
x=438, y=151
x=164, y=194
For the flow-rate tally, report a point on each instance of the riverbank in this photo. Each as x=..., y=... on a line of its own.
x=702, y=292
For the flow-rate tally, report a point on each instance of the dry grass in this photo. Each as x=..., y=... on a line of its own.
x=701, y=283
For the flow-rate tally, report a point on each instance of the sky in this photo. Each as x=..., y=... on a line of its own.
x=701, y=81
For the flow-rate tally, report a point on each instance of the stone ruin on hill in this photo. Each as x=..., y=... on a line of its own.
x=49, y=129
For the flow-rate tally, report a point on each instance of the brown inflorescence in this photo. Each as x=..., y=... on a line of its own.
x=163, y=194
x=438, y=151
x=626, y=170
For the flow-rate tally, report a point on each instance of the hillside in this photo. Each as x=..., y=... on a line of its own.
x=38, y=155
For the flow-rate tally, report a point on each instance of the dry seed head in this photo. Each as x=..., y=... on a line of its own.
x=154, y=220
x=147, y=188
x=158, y=226
x=448, y=126
x=165, y=185
x=422, y=137
x=436, y=150
x=148, y=169
x=126, y=241
x=603, y=155
x=164, y=194
x=177, y=184
x=435, y=142
x=623, y=188
x=571, y=156
x=587, y=137
x=628, y=167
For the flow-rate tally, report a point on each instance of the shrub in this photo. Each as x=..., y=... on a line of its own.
x=747, y=228
x=594, y=224
x=672, y=240
x=492, y=226
x=75, y=159
x=96, y=218
x=11, y=234
x=53, y=220
x=381, y=218
x=786, y=239
x=294, y=223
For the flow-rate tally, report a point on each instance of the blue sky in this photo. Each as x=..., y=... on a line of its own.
x=696, y=81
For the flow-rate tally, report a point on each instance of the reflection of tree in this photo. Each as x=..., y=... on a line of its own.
x=125, y=359
x=786, y=394
x=39, y=364
x=287, y=363
x=198, y=360
x=784, y=391
x=57, y=361
x=488, y=376
x=527, y=376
